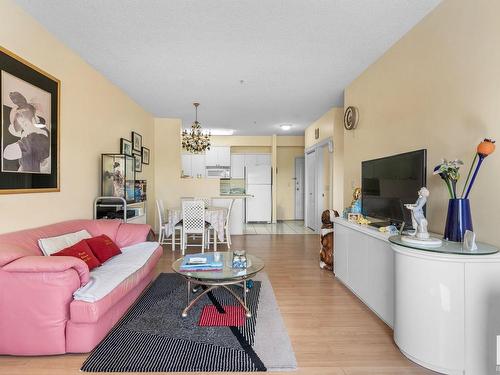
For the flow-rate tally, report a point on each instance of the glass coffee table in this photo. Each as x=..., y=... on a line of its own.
x=220, y=279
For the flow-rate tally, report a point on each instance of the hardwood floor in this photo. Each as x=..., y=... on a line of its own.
x=332, y=332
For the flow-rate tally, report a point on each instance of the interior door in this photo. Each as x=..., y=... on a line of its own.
x=310, y=199
x=299, y=188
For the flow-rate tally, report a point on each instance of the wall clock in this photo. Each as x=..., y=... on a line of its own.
x=351, y=118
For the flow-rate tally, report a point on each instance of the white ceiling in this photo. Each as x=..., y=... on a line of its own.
x=294, y=56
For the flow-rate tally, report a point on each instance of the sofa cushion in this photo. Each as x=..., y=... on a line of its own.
x=103, y=247
x=107, y=277
x=90, y=312
x=51, y=245
x=82, y=251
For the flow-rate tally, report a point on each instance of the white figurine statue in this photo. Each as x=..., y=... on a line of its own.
x=420, y=236
x=418, y=219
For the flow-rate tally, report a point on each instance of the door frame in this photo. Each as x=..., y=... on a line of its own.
x=295, y=215
x=318, y=172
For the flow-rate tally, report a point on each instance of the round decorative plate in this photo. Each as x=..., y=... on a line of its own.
x=351, y=118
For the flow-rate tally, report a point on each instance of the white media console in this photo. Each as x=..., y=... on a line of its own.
x=444, y=308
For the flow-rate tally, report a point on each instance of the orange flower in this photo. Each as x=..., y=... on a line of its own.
x=486, y=147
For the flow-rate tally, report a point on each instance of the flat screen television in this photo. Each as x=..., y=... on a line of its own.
x=390, y=182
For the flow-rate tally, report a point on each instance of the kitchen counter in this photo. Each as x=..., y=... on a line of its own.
x=237, y=218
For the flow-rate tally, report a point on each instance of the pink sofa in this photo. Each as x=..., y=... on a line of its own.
x=38, y=315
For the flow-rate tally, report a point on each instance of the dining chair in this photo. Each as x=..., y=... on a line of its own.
x=207, y=201
x=227, y=231
x=193, y=222
x=163, y=222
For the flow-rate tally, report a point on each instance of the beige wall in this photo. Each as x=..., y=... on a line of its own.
x=331, y=126
x=94, y=115
x=285, y=188
x=437, y=88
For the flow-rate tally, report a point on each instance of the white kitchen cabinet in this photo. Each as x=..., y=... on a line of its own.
x=218, y=156
x=237, y=166
x=263, y=159
x=250, y=160
x=186, y=165
x=224, y=156
x=211, y=157
x=198, y=165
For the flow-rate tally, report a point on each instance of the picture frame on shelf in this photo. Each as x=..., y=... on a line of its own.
x=125, y=147
x=145, y=155
x=30, y=104
x=138, y=163
x=136, y=141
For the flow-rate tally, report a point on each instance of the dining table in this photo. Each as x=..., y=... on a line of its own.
x=215, y=216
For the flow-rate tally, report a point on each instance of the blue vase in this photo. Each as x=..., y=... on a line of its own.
x=459, y=220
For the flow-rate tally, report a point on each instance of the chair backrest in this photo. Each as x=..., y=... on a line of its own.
x=207, y=201
x=228, y=216
x=160, y=210
x=193, y=216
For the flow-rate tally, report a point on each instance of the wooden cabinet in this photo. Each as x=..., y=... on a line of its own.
x=218, y=156
x=237, y=166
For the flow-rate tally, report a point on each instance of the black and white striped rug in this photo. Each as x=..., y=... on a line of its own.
x=153, y=337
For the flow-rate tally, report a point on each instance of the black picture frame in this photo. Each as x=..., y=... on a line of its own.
x=125, y=147
x=146, y=154
x=136, y=141
x=137, y=163
x=24, y=83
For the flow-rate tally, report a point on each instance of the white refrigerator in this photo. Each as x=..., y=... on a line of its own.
x=258, y=184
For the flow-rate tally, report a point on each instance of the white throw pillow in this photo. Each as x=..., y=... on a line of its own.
x=52, y=245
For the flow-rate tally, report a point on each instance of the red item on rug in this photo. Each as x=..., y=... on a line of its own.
x=103, y=247
x=234, y=316
x=82, y=251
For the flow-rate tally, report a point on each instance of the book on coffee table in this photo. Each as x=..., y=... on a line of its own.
x=200, y=262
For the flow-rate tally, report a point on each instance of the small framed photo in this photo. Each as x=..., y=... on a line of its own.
x=136, y=141
x=145, y=155
x=138, y=163
x=353, y=218
x=125, y=147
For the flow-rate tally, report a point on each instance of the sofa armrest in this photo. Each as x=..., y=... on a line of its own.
x=34, y=264
x=35, y=297
x=130, y=234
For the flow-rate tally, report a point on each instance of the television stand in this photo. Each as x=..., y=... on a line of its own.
x=380, y=224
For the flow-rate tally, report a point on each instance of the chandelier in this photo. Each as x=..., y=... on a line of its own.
x=194, y=140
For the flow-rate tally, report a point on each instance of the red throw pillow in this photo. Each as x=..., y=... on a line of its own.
x=80, y=250
x=103, y=247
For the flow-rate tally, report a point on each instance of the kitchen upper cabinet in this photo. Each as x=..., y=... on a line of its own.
x=186, y=165
x=237, y=166
x=198, y=165
x=224, y=156
x=263, y=159
x=251, y=160
x=219, y=156
x=193, y=165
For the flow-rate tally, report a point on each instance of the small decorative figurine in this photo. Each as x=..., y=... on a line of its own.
x=356, y=201
x=421, y=235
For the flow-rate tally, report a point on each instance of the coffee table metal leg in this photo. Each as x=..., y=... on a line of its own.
x=242, y=303
x=193, y=302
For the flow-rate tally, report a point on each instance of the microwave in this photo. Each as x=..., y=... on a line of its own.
x=218, y=172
